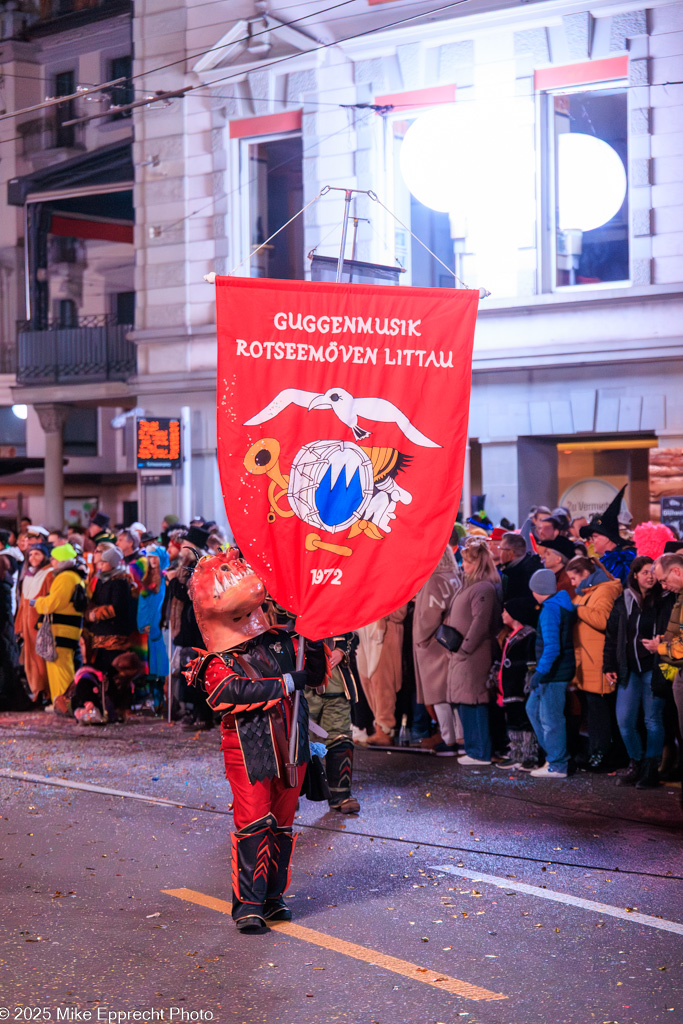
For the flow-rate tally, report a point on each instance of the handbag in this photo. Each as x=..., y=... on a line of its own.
x=449, y=637
x=315, y=785
x=46, y=648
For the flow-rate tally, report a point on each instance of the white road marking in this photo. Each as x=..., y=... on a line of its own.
x=560, y=897
x=46, y=780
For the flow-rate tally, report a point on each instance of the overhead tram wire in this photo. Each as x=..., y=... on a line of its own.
x=245, y=184
x=261, y=66
x=321, y=46
x=186, y=90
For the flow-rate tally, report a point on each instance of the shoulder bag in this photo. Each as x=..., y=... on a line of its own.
x=449, y=637
x=46, y=648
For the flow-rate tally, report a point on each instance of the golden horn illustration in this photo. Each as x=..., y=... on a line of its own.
x=314, y=541
x=263, y=457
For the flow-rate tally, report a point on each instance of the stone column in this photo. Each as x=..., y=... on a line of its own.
x=52, y=419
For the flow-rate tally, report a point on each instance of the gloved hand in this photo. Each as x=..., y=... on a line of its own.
x=300, y=679
x=535, y=681
x=315, y=663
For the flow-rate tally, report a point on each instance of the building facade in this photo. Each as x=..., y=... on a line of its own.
x=535, y=149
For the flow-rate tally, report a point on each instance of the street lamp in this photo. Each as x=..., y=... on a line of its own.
x=591, y=182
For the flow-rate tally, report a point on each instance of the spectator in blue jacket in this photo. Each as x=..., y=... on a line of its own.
x=555, y=668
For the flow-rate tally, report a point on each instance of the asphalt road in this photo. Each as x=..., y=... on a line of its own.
x=456, y=895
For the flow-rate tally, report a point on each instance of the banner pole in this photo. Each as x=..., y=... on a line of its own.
x=169, y=695
x=294, y=728
x=345, y=225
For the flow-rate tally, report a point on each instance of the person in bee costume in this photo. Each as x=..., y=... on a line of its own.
x=332, y=712
x=248, y=673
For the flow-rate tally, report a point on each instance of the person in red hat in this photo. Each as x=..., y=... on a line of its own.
x=497, y=534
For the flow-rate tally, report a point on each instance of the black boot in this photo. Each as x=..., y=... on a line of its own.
x=632, y=774
x=283, y=843
x=339, y=770
x=251, y=858
x=649, y=778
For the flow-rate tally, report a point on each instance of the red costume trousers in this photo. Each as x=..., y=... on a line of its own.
x=252, y=801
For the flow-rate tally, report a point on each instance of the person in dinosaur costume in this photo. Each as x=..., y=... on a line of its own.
x=248, y=673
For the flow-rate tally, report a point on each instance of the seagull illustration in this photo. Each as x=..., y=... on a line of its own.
x=347, y=409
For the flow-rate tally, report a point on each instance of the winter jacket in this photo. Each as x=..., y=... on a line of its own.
x=475, y=613
x=111, y=613
x=515, y=576
x=593, y=604
x=519, y=653
x=673, y=632
x=188, y=634
x=627, y=625
x=432, y=604
x=554, y=642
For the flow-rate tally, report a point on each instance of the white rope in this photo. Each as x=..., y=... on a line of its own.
x=258, y=249
x=483, y=293
x=211, y=278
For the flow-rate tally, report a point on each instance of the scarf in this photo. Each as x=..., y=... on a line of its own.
x=33, y=581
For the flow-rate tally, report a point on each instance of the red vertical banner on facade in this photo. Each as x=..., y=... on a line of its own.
x=342, y=425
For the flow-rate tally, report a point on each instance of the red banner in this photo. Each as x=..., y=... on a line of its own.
x=342, y=424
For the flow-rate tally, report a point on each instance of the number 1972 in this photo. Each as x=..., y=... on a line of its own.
x=331, y=576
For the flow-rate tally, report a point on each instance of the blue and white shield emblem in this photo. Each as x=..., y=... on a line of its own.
x=330, y=484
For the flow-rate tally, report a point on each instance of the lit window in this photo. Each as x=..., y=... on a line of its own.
x=588, y=195
x=462, y=178
x=272, y=184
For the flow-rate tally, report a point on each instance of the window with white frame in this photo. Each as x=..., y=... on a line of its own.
x=587, y=200
x=433, y=227
x=272, y=192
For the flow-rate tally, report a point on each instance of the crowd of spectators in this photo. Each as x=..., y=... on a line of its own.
x=550, y=649
x=83, y=614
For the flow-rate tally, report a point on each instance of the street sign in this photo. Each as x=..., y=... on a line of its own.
x=158, y=444
x=672, y=511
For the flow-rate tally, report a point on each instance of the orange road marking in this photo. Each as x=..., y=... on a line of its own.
x=369, y=956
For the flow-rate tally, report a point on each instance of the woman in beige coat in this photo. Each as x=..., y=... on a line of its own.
x=432, y=604
x=596, y=592
x=378, y=658
x=475, y=614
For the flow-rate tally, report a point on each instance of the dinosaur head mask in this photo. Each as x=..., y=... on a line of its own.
x=227, y=596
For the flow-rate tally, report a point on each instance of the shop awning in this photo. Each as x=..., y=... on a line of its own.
x=18, y=464
x=110, y=165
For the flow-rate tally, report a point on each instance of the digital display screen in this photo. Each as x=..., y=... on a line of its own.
x=158, y=444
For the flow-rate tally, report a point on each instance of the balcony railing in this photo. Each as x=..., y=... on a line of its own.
x=92, y=350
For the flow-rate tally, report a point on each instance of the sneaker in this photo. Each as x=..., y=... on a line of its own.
x=445, y=750
x=49, y=709
x=467, y=760
x=529, y=765
x=507, y=763
x=359, y=735
x=546, y=772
